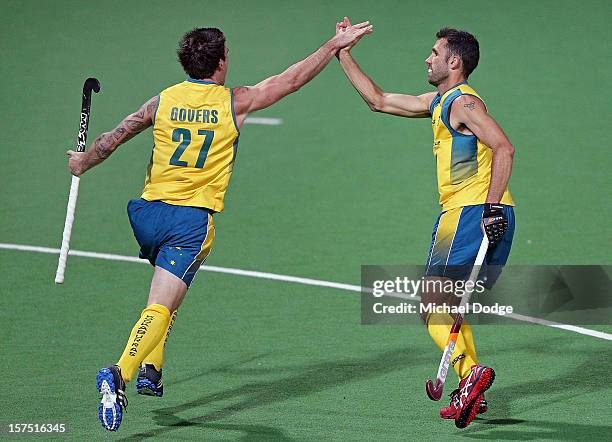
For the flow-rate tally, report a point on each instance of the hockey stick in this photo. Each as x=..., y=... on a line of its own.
x=91, y=84
x=435, y=391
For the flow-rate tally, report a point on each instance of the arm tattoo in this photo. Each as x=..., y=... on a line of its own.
x=119, y=133
x=151, y=109
x=103, y=146
x=140, y=120
x=135, y=126
x=132, y=125
x=140, y=113
x=470, y=106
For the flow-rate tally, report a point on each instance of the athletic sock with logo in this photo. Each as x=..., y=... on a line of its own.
x=156, y=357
x=464, y=356
x=146, y=334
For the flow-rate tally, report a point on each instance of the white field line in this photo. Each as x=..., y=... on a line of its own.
x=296, y=280
x=264, y=121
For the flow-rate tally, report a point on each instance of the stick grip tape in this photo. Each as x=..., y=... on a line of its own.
x=72, y=199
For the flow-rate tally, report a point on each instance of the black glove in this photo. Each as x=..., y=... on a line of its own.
x=494, y=222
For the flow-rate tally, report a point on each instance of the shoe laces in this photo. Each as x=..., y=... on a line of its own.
x=464, y=390
x=455, y=397
x=120, y=390
x=122, y=398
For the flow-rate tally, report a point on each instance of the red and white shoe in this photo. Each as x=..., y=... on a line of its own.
x=452, y=410
x=468, y=402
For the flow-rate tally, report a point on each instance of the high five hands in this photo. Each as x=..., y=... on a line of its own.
x=348, y=35
x=345, y=26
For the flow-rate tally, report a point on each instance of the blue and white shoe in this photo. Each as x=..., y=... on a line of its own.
x=113, y=403
x=149, y=381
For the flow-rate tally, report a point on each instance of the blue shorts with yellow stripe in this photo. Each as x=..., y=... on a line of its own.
x=175, y=238
x=455, y=241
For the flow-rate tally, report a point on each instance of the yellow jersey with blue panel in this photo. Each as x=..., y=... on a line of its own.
x=195, y=139
x=463, y=162
x=464, y=175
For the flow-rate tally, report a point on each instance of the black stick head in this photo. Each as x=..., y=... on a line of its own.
x=91, y=84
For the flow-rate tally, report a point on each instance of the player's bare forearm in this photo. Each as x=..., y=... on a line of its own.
x=410, y=106
x=105, y=144
x=471, y=112
x=501, y=168
x=302, y=72
x=273, y=89
x=364, y=85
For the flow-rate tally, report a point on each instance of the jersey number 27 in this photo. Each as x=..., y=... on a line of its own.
x=184, y=136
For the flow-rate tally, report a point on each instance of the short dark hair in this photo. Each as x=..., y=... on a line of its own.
x=464, y=45
x=200, y=51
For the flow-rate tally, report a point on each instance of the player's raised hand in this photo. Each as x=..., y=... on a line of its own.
x=345, y=23
x=348, y=35
x=341, y=26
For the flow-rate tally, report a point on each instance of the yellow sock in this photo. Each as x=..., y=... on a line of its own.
x=146, y=334
x=464, y=356
x=156, y=357
x=468, y=338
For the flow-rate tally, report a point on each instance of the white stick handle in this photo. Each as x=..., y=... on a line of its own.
x=478, y=262
x=72, y=199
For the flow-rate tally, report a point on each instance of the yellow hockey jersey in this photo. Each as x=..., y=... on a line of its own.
x=463, y=162
x=195, y=138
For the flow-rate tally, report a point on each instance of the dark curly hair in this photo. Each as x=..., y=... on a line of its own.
x=200, y=51
x=464, y=45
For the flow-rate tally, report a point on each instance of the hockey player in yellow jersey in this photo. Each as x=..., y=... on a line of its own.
x=473, y=162
x=196, y=126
